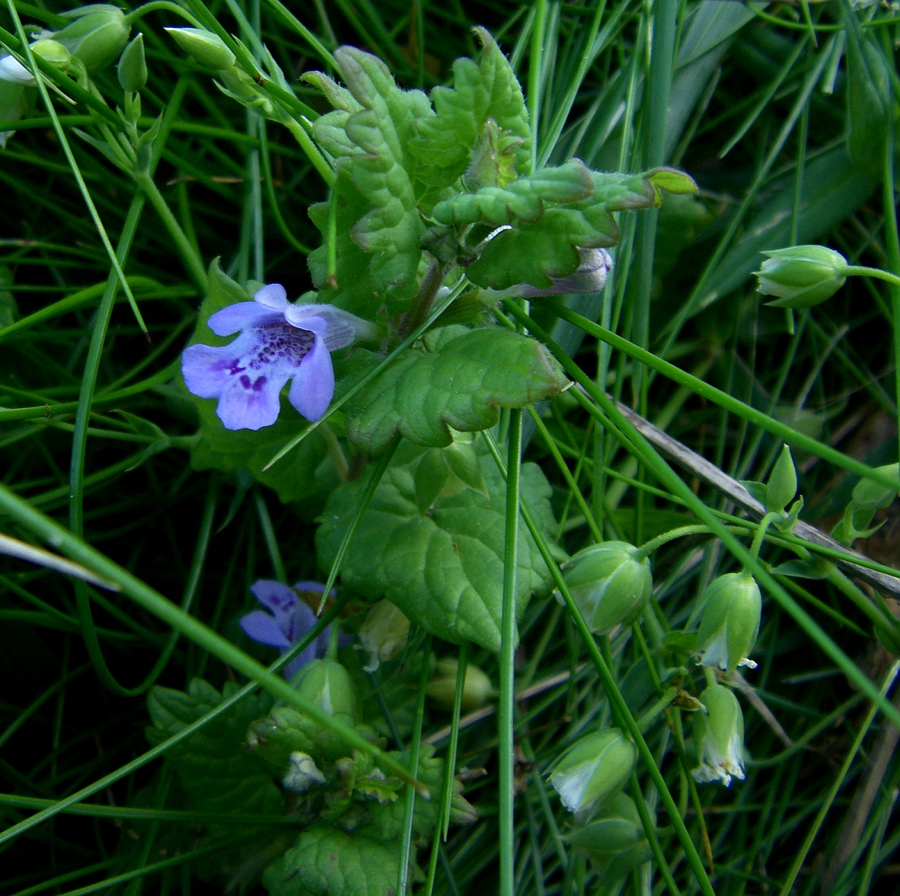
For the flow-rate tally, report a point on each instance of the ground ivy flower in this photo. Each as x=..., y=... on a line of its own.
x=278, y=341
x=287, y=622
x=719, y=735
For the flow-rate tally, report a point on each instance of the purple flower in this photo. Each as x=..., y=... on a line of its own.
x=278, y=342
x=288, y=621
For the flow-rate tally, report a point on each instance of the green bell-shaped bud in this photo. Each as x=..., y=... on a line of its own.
x=593, y=770
x=96, y=36
x=477, y=689
x=730, y=621
x=132, y=68
x=53, y=51
x=329, y=685
x=801, y=276
x=610, y=583
x=383, y=635
x=205, y=47
x=614, y=841
x=719, y=736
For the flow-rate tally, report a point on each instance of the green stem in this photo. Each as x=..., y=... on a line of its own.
x=428, y=289
x=764, y=524
x=156, y=6
x=704, y=390
x=506, y=705
x=855, y=270
x=618, y=704
x=312, y=152
x=192, y=261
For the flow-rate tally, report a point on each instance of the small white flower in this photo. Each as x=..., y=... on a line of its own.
x=13, y=71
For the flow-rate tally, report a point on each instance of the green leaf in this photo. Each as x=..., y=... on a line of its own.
x=305, y=474
x=523, y=200
x=870, y=105
x=442, y=567
x=482, y=91
x=547, y=249
x=460, y=382
x=374, y=179
x=213, y=767
x=327, y=861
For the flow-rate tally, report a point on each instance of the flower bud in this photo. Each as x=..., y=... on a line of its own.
x=96, y=36
x=610, y=583
x=477, y=689
x=782, y=484
x=303, y=774
x=719, y=736
x=132, y=68
x=730, y=621
x=614, y=841
x=205, y=47
x=589, y=277
x=801, y=276
x=383, y=634
x=593, y=770
x=328, y=684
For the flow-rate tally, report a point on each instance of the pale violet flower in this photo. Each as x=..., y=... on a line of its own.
x=719, y=736
x=278, y=341
x=288, y=621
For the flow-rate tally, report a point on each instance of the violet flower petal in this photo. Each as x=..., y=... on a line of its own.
x=264, y=629
x=280, y=600
x=313, y=386
x=272, y=296
x=242, y=316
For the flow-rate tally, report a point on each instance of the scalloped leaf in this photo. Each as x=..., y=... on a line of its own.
x=442, y=566
x=374, y=179
x=327, y=861
x=523, y=200
x=482, y=90
x=461, y=382
x=217, y=773
x=539, y=252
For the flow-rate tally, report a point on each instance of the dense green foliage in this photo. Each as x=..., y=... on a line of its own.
x=422, y=167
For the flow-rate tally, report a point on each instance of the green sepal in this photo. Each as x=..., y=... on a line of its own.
x=213, y=767
x=461, y=381
x=443, y=567
x=486, y=90
x=815, y=567
x=868, y=497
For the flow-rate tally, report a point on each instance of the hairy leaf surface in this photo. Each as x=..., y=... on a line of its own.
x=442, y=566
x=461, y=383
